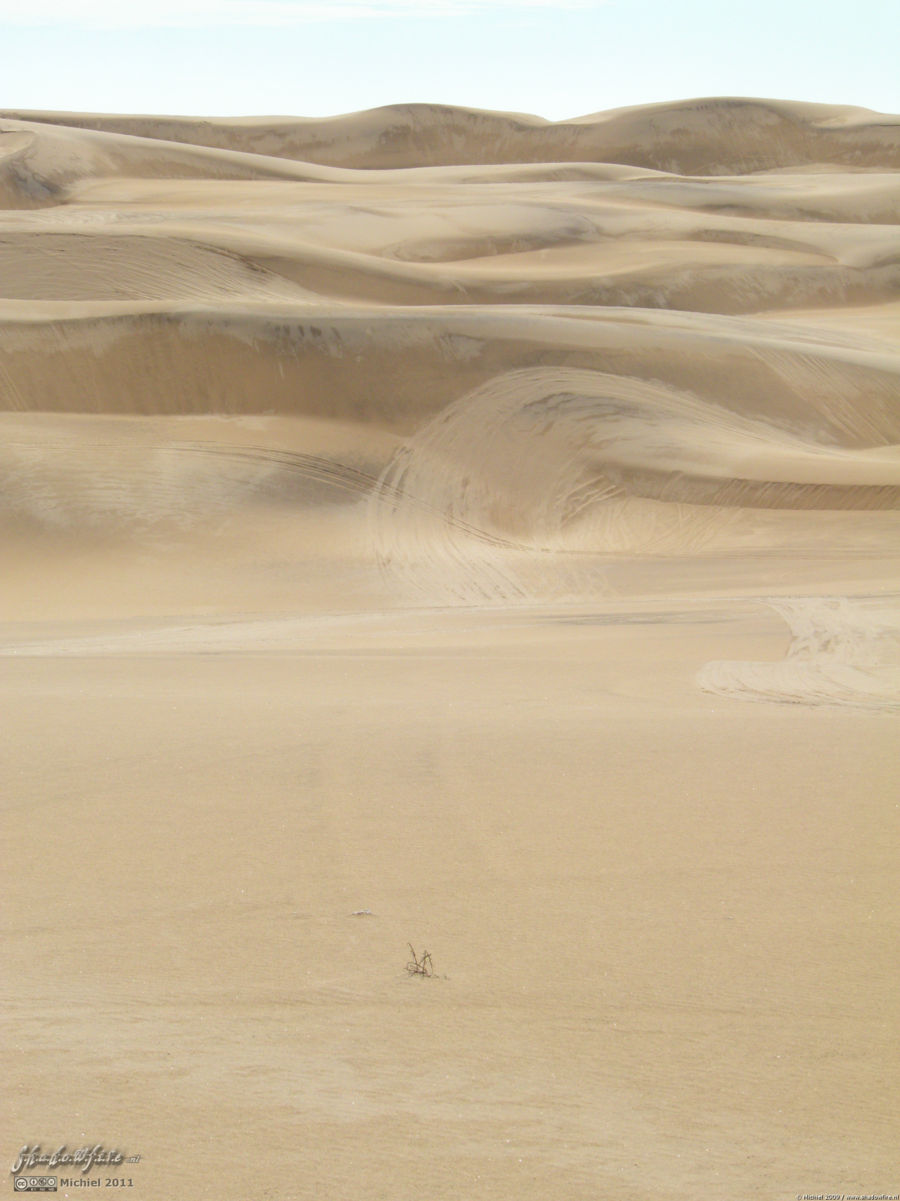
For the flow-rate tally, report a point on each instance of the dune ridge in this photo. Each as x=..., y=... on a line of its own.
x=696, y=137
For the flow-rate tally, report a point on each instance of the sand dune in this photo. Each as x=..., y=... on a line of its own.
x=699, y=137
x=840, y=654
x=398, y=510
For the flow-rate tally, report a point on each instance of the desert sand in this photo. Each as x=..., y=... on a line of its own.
x=452, y=528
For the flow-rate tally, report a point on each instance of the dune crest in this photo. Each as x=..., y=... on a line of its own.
x=715, y=136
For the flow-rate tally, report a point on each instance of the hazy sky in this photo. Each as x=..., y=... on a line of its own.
x=560, y=59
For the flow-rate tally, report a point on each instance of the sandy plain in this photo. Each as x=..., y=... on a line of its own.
x=453, y=528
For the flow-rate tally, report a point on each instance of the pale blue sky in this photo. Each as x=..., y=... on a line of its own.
x=560, y=59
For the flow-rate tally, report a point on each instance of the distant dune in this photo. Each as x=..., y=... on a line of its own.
x=694, y=137
x=632, y=332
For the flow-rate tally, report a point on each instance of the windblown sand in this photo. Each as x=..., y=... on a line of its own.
x=452, y=528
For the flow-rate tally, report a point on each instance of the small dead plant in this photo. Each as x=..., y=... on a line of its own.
x=419, y=966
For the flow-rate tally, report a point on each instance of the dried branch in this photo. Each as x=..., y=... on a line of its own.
x=417, y=966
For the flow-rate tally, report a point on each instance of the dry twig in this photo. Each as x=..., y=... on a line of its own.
x=417, y=966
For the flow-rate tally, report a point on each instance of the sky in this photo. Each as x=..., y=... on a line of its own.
x=555, y=58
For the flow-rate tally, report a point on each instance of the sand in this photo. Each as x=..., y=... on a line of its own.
x=439, y=527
